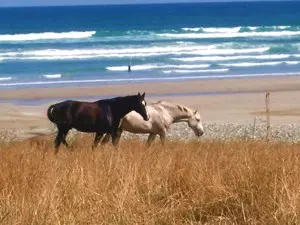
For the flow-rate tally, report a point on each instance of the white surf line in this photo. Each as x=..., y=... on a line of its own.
x=151, y=79
x=46, y=35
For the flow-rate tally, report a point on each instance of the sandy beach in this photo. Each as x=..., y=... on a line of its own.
x=219, y=101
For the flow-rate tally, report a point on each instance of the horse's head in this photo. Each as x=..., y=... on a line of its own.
x=195, y=123
x=141, y=106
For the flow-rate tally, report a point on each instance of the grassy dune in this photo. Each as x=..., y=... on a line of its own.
x=211, y=182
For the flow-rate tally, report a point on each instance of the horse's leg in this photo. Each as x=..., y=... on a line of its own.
x=106, y=139
x=115, y=136
x=98, y=137
x=58, y=140
x=64, y=135
x=151, y=138
x=162, y=138
x=119, y=134
x=61, y=137
x=115, y=140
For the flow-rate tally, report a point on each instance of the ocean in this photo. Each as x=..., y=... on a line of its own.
x=93, y=45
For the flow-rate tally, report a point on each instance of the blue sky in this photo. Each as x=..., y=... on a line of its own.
x=91, y=2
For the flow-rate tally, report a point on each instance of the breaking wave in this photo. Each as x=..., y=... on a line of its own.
x=148, y=67
x=252, y=64
x=229, y=34
x=92, y=81
x=5, y=78
x=239, y=29
x=52, y=76
x=64, y=54
x=197, y=71
x=237, y=57
x=46, y=36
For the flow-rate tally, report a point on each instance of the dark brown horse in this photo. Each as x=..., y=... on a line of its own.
x=98, y=117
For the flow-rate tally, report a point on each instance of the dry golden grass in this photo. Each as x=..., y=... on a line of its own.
x=209, y=182
x=283, y=112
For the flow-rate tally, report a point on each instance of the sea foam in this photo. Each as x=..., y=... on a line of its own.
x=237, y=29
x=52, y=76
x=46, y=35
x=196, y=71
x=65, y=54
x=5, y=78
x=155, y=66
x=251, y=64
x=145, y=79
x=229, y=34
x=238, y=57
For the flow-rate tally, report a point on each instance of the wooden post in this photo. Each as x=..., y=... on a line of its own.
x=268, y=116
x=254, y=127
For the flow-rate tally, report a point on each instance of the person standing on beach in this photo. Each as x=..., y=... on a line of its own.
x=129, y=65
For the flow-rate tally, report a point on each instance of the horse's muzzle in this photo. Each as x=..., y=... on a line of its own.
x=199, y=133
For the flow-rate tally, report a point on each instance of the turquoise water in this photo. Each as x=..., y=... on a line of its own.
x=88, y=45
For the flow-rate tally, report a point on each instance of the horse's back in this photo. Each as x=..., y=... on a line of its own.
x=74, y=105
x=63, y=103
x=83, y=116
x=92, y=116
x=134, y=122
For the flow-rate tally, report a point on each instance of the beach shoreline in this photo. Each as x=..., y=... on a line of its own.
x=180, y=88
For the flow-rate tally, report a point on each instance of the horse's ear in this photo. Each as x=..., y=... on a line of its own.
x=195, y=111
x=139, y=94
x=143, y=95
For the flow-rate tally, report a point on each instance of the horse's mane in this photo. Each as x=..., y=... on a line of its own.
x=172, y=105
x=116, y=99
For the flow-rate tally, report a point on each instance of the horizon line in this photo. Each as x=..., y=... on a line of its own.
x=148, y=3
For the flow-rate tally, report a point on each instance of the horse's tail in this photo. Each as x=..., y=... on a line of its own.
x=50, y=113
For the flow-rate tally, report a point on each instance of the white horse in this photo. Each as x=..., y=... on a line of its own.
x=162, y=115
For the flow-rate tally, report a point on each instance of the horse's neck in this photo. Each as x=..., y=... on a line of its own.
x=121, y=108
x=179, y=113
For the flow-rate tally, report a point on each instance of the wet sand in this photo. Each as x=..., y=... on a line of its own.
x=282, y=83
x=220, y=100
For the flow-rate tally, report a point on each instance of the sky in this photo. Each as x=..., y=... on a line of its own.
x=8, y=3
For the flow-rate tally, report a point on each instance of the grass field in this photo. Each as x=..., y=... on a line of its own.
x=285, y=112
x=208, y=182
